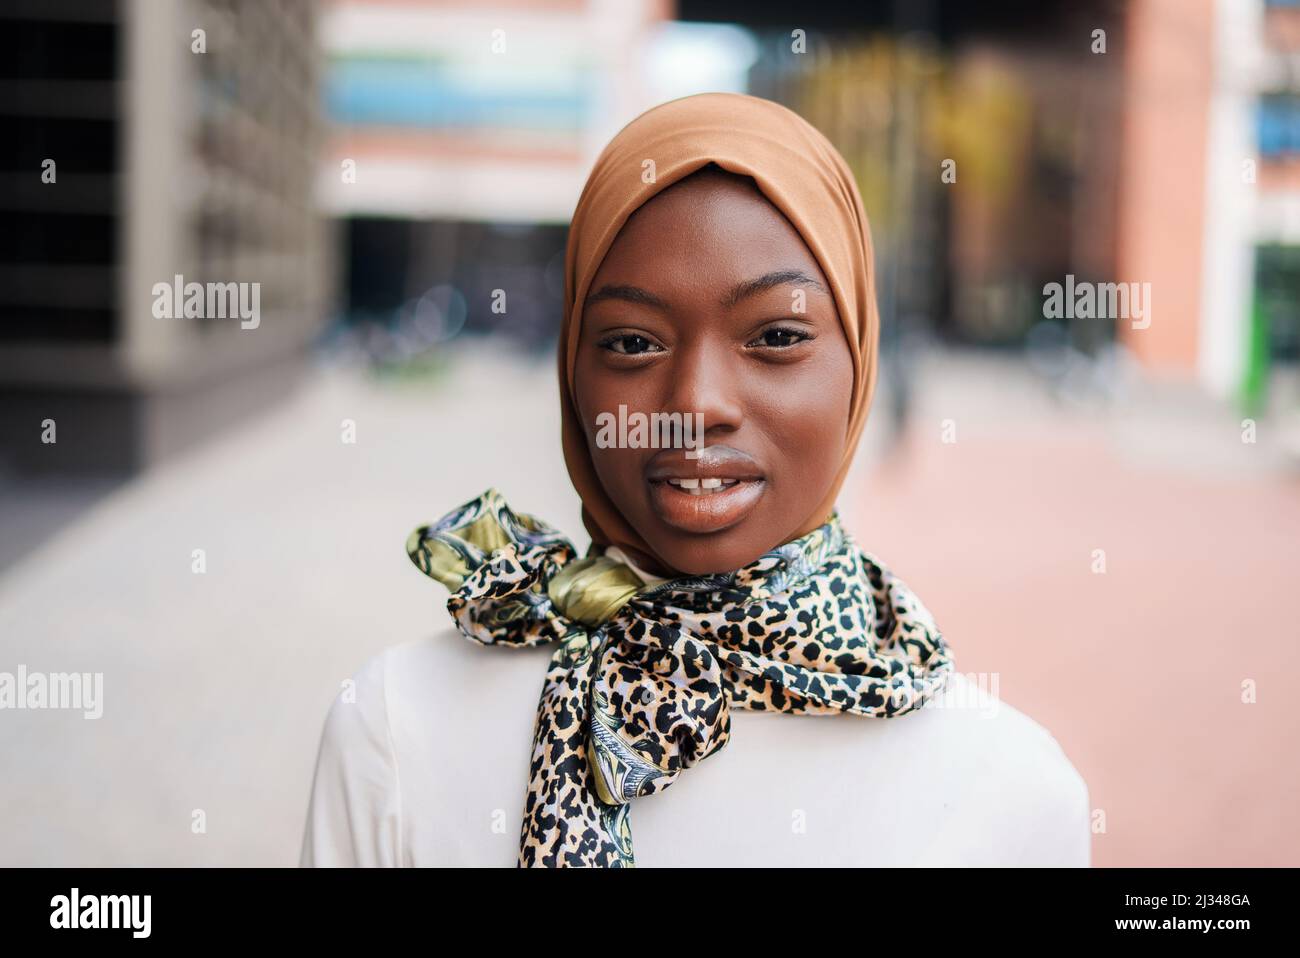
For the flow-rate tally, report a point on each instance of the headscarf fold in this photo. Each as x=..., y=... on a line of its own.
x=798, y=171
x=643, y=678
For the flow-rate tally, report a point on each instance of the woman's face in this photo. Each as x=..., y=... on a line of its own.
x=709, y=302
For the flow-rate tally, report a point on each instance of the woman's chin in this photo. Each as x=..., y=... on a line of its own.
x=710, y=554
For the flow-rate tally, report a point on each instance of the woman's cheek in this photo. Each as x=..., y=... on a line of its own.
x=816, y=423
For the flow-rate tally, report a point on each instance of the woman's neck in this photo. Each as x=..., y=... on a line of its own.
x=647, y=563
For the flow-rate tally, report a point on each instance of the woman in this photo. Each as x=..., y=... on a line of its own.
x=719, y=270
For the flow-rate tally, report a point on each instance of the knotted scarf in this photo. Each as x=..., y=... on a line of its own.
x=643, y=678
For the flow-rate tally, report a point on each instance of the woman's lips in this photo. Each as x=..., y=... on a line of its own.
x=709, y=511
x=707, y=494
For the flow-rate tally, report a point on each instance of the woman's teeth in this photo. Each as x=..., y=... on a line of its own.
x=702, y=487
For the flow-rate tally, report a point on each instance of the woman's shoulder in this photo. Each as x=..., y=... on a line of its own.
x=361, y=708
x=979, y=717
x=1012, y=759
x=448, y=664
x=370, y=705
x=407, y=697
x=354, y=808
x=392, y=725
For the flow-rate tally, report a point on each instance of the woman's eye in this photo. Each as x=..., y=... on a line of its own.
x=780, y=338
x=628, y=345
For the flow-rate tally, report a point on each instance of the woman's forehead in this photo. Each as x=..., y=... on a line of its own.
x=718, y=229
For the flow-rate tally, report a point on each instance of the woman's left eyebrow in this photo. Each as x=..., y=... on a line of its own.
x=781, y=277
x=750, y=287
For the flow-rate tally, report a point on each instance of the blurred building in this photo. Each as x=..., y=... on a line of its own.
x=144, y=142
x=1210, y=205
x=461, y=136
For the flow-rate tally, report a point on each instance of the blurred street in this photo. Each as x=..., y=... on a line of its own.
x=216, y=684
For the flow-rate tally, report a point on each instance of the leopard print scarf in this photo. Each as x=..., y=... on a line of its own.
x=643, y=678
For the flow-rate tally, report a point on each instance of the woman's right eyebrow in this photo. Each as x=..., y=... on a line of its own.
x=628, y=294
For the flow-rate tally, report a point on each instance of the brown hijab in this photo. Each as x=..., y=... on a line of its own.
x=799, y=172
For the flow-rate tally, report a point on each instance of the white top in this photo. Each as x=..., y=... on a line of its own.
x=425, y=762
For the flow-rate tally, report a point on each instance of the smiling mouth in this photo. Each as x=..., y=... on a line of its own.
x=704, y=495
x=703, y=487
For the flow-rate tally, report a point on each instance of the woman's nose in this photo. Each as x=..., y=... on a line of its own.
x=703, y=382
